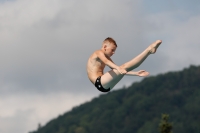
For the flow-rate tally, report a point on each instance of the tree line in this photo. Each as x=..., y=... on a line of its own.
x=138, y=108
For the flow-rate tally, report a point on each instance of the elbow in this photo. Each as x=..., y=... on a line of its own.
x=106, y=62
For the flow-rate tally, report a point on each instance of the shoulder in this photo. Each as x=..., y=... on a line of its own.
x=95, y=54
x=99, y=53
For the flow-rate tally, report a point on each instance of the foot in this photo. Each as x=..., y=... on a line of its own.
x=142, y=73
x=153, y=47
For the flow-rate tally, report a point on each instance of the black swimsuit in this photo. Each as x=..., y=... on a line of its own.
x=99, y=86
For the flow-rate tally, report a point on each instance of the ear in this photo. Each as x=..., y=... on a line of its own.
x=105, y=46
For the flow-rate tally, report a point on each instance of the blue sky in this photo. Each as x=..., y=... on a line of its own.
x=155, y=6
x=45, y=44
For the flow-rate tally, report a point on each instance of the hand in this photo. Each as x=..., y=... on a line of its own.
x=142, y=73
x=121, y=70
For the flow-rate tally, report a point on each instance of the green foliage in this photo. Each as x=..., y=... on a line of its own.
x=137, y=108
x=165, y=126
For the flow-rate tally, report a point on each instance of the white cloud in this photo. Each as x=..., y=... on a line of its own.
x=24, y=112
x=45, y=45
x=39, y=38
x=44, y=49
x=179, y=32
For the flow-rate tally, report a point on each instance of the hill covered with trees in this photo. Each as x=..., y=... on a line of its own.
x=138, y=108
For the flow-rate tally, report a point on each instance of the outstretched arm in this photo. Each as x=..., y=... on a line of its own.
x=141, y=73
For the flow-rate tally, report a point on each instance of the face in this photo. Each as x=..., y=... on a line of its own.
x=110, y=49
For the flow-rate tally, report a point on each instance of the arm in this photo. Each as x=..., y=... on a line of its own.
x=131, y=73
x=109, y=62
x=141, y=73
x=105, y=60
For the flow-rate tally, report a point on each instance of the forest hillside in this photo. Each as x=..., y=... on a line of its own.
x=138, y=108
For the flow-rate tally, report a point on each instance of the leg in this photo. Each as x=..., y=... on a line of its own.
x=111, y=78
x=135, y=62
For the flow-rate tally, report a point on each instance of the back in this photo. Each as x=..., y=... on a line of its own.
x=95, y=67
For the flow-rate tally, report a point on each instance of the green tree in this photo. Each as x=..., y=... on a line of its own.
x=165, y=126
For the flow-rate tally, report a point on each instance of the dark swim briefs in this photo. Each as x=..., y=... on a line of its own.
x=99, y=86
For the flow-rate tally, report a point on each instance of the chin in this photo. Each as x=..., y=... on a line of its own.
x=108, y=55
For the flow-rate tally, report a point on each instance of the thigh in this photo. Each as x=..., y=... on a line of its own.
x=111, y=78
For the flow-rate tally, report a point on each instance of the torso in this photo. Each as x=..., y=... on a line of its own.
x=95, y=67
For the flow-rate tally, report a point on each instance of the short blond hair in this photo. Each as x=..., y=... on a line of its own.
x=110, y=40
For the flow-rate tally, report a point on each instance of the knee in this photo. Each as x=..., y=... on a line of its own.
x=124, y=66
